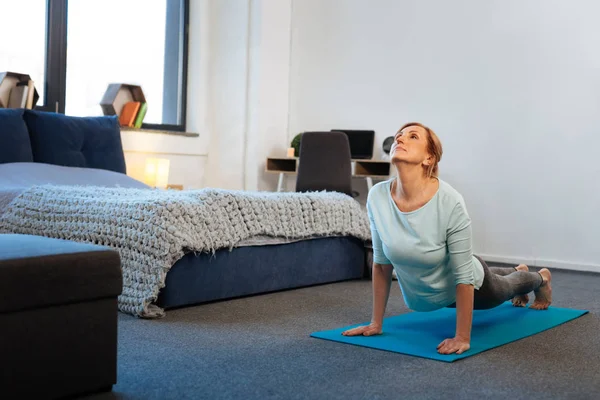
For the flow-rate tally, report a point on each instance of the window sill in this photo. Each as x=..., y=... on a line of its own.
x=161, y=132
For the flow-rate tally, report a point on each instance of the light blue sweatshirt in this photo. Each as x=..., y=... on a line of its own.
x=429, y=248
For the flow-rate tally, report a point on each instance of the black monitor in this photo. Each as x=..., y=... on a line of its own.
x=361, y=143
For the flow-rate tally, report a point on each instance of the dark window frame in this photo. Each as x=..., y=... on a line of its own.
x=56, y=62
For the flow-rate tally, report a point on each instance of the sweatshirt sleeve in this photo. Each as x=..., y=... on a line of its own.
x=378, y=256
x=458, y=239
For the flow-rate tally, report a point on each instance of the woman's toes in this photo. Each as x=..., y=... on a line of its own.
x=543, y=296
x=520, y=301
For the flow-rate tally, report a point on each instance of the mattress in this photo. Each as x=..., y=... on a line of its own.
x=16, y=177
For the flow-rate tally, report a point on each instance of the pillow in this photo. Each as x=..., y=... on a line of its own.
x=15, y=145
x=86, y=142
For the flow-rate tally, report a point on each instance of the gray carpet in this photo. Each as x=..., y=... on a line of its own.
x=259, y=348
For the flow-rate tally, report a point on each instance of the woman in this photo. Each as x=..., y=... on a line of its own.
x=421, y=229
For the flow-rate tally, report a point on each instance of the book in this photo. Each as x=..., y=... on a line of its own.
x=30, y=94
x=140, y=115
x=6, y=85
x=18, y=96
x=128, y=113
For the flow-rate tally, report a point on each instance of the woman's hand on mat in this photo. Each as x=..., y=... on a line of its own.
x=455, y=345
x=365, y=330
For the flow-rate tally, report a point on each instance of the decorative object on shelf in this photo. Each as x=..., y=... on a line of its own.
x=126, y=101
x=386, y=147
x=296, y=144
x=290, y=152
x=156, y=173
x=139, y=119
x=17, y=91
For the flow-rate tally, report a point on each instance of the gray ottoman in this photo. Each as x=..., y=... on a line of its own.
x=58, y=317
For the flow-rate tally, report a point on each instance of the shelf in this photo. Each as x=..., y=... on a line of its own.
x=117, y=94
x=362, y=168
x=281, y=165
x=159, y=131
x=9, y=81
x=371, y=168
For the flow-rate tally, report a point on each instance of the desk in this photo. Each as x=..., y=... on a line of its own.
x=367, y=169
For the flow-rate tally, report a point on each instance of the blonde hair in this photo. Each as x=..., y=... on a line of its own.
x=434, y=148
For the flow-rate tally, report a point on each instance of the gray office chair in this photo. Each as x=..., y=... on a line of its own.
x=324, y=163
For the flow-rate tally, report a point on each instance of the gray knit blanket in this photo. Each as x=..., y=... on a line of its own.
x=152, y=229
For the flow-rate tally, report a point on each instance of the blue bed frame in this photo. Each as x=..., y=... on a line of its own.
x=253, y=270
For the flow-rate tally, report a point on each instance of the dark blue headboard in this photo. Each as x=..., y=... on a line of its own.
x=15, y=145
x=35, y=136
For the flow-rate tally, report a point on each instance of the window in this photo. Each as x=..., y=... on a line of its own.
x=23, y=44
x=141, y=42
x=129, y=49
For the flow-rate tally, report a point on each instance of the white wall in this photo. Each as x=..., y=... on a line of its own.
x=248, y=86
x=510, y=86
x=187, y=155
x=268, y=94
x=227, y=90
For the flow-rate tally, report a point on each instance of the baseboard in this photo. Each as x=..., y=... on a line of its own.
x=506, y=259
x=535, y=262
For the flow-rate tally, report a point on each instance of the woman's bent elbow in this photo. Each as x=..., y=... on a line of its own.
x=385, y=269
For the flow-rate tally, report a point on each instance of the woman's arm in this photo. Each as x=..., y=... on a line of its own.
x=464, y=318
x=381, y=275
x=462, y=264
x=464, y=311
x=382, y=280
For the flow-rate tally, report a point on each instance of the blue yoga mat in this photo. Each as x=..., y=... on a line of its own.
x=418, y=334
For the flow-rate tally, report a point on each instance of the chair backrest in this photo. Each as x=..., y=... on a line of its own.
x=324, y=163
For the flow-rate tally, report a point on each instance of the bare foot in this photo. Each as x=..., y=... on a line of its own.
x=543, y=296
x=523, y=299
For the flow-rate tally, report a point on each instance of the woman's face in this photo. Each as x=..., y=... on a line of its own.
x=410, y=145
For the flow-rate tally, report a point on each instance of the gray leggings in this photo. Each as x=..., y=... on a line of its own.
x=502, y=284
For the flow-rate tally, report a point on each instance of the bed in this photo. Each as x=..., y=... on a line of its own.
x=45, y=153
